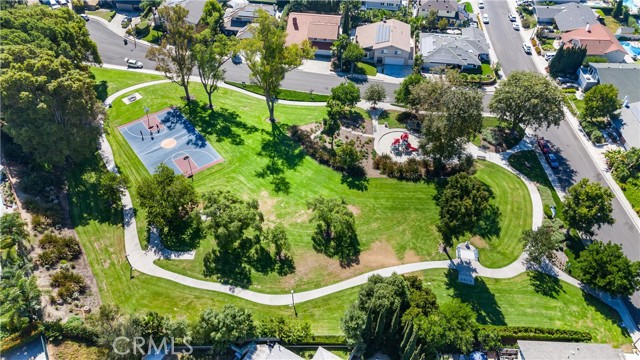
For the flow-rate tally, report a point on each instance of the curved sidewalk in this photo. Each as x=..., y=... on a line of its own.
x=143, y=260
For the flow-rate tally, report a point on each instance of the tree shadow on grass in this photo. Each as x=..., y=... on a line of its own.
x=355, y=182
x=478, y=296
x=544, y=284
x=607, y=311
x=227, y=268
x=101, y=90
x=283, y=154
x=219, y=122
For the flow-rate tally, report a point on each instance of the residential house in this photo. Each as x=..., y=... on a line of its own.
x=566, y=17
x=236, y=19
x=391, y=5
x=598, y=40
x=552, y=350
x=465, y=51
x=122, y=5
x=625, y=77
x=445, y=8
x=271, y=350
x=321, y=29
x=386, y=42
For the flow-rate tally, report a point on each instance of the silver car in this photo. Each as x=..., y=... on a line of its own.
x=131, y=63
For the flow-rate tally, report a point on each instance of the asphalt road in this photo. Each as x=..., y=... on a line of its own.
x=575, y=161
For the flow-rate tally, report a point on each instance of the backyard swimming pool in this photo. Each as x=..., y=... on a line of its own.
x=633, y=48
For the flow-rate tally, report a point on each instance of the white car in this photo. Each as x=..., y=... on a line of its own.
x=485, y=19
x=481, y=4
x=527, y=48
x=549, y=56
x=516, y=26
x=512, y=17
x=131, y=63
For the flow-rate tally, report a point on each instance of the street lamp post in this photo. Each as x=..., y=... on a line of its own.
x=293, y=304
x=130, y=266
x=146, y=111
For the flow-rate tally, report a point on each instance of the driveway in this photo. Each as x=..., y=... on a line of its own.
x=396, y=71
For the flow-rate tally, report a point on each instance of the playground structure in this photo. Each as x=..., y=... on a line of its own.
x=401, y=145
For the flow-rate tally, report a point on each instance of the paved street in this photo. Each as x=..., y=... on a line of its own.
x=575, y=162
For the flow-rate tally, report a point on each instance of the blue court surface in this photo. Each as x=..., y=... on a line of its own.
x=168, y=137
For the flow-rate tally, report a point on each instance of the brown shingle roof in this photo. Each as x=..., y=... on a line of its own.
x=385, y=33
x=597, y=38
x=302, y=26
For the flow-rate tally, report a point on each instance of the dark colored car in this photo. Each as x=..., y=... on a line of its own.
x=544, y=146
x=552, y=160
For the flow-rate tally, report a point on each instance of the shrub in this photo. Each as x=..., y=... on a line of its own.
x=596, y=137
x=58, y=248
x=412, y=170
x=40, y=223
x=511, y=334
x=143, y=29
x=547, y=211
x=70, y=285
x=526, y=22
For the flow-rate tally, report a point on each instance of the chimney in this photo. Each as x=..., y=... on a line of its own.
x=295, y=23
x=588, y=27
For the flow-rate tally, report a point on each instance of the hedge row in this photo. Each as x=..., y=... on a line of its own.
x=511, y=334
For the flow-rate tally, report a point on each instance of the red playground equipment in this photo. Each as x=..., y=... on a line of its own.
x=401, y=145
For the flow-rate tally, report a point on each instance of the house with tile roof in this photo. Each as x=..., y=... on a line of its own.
x=598, y=40
x=321, y=29
x=386, y=42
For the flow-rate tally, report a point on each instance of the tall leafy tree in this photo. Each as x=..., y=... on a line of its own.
x=403, y=93
x=600, y=101
x=173, y=56
x=374, y=94
x=168, y=200
x=618, y=9
x=331, y=124
x=221, y=329
x=339, y=46
x=452, y=329
x=209, y=58
x=13, y=240
x=289, y=331
x=527, y=99
x=213, y=17
x=348, y=9
x=541, y=244
x=49, y=106
x=352, y=54
x=347, y=94
x=605, y=267
x=588, y=205
x=269, y=59
x=567, y=60
x=335, y=230
x=463, y=202
x=145, y=4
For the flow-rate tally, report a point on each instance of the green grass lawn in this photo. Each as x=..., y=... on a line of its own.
x=105, y=14
x=632, y=191
x=577, y=103
x=487, y=122
x=109, y=81
x=291, y=95
x=366, y=69
x=467, y=7
x=527, y=163
x=154, y=36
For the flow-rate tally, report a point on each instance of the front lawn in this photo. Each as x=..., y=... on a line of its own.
x=631, y=191
x=154, y=36
x=105, y=14
x=366, y=69
x=291, y=95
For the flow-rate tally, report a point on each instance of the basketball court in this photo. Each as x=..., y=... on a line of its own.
x=168, y=137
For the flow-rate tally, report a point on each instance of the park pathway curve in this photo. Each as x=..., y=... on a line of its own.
x=143, y=260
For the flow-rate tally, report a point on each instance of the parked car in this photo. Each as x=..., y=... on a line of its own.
x=552, y=160
x=512, y=17
x=549, y=56
x=485, y=19
x=570, y=85
x=614, y=137
x=544, y=146
x=85, y=17
x=564, y=80
x=131, y=63
x=527, y=48
x=126, y=21
x=481, y=4
x=236, y=59
x=516, y=26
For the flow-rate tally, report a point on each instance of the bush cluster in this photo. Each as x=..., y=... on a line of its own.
x=511, y=334
x=58, y=248
x=411, y=170
x=70, y=285
x=74, y=329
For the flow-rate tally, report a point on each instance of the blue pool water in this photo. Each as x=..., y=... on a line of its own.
x=630, y=49
x=631, y=5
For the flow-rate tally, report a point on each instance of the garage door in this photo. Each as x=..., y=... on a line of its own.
x=394, y=61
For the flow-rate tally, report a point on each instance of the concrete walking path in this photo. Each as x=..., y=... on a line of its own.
x=143, y=260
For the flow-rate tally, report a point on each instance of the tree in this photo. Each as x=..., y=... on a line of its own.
x=173, y=56
x=617, y=10
x=347, y=94
x=352, y=54
x=331, y=124
x=451, y=116
x=14, y=238
x=431, y=21
x=49, y=106
x=443, y=24
x=540, y=244
x=567, y=60
x=277, y=238
x=452, y=329
x=339, y=46
x=527, y=99
x=604, y=267
x=600, y=101
x=213, y=17
x=403, y=93
x=586, y=205
x=348, y=157
x=348, y=9
x=375, y=93
x=209, y=59
x=145, y=4
x=463, y=202
x=112, y=187
x=372, y=323
x=269, y=59
x=221, y=329
x=168, y=199
x=335, y=230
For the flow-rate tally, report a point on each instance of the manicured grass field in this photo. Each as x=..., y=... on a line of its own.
x=110, y=81
x=291, y=95
x=105, y=14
